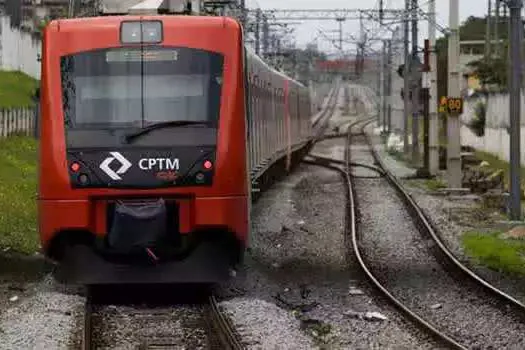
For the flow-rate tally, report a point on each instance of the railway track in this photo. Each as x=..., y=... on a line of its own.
x=505, y=313
x=199, y=324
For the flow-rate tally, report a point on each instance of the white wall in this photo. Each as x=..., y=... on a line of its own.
x=496, y=139
x=18, y=50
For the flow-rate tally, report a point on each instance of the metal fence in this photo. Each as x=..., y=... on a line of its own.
x=18, y=121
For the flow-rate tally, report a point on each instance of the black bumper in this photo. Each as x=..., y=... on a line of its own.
x=206, y=264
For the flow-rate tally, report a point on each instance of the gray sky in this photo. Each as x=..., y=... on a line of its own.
x=308, y=30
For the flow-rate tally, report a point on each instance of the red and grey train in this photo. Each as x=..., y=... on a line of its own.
x=152, y=131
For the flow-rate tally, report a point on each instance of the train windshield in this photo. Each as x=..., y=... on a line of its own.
x=133, y=88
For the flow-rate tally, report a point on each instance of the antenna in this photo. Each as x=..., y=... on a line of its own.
x=380, y=11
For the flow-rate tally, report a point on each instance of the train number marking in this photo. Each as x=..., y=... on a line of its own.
x=125, y=165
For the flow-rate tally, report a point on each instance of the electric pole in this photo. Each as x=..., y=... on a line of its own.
x=382, y=88
x=340, y=20
x=266, y=35
x=389, y=86
x=433, y=132
x=426, y=108
x=488, y=32
x=406, y=81
x=453, y=126
x=257, y=31
x=242, y=5
x=415, y=86
x=516, y=39
x=496, y=27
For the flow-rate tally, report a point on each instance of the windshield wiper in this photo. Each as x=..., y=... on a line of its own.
x=174, y=123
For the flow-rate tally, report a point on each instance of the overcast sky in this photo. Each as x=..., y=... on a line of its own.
x=308, y=30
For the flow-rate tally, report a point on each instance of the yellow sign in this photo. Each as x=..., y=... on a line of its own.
x=443, y=105
x=451, y=105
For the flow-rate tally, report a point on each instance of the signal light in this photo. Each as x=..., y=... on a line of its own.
x=75, y=167
x=199, y=177
x=207, y=165
x=83, y=179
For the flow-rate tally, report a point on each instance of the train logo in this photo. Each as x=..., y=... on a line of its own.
x=125, y=165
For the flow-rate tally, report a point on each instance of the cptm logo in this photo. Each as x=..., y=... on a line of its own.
x=124, y=165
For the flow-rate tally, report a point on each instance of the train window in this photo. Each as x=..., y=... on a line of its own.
x=135, y=87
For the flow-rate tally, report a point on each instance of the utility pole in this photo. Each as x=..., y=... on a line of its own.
x=242, y=5
x=488, y=32
x=389, y=87
x=386, y=69
x=257, y=31
x=433, y=122
x=382, y=90
x=415, y=86
x=516, y=39
x=266, y=36
x=453, y=126
x=340, y=20
x=406, y=81
x=426, y=101
x=496, y=27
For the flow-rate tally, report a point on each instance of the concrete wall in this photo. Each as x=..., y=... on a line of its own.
x=496, y=139
x=18, y=50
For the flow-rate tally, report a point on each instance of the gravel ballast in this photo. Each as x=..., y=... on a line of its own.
x=44, y=319
x=401, y=260
x=452, y=216
x=299, y=262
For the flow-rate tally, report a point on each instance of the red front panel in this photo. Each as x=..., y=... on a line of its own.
x=222, y=204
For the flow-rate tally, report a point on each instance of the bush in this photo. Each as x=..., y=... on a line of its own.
x=477, y=124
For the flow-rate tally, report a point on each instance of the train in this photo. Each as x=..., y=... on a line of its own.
x=153, y=131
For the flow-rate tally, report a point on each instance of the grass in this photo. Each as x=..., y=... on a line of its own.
x=435, y=184
x=16, y=89
x=18, y=193
x=506, y=255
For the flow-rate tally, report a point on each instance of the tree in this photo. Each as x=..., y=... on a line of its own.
x=474, y=28
x=492, y=71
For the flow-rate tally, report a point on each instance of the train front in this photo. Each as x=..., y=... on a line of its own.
x=142, y=170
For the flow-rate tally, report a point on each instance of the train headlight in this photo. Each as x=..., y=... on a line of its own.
x=132, y=32
x=152, y=32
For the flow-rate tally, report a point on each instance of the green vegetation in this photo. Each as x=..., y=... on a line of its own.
x=17, y=194
x=493, y=71
x=16, y=89
x=435, y=184
x=495, y=163
x=477, y=124
x=506, y=255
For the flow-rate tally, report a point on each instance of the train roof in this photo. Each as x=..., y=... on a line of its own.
x=212, y=19
x=256, y=57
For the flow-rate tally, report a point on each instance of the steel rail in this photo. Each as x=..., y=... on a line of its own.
x=355, y=239
x=224, y=328
x=422, y=220
x=87, y=330
x=352, y=233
